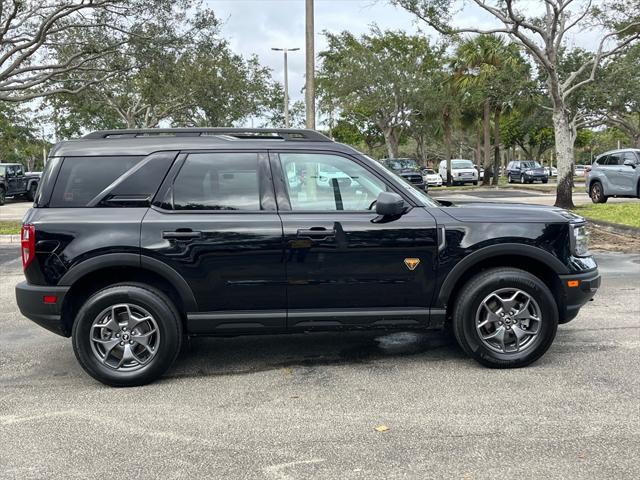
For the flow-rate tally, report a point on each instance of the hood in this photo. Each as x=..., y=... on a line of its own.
x=488, y=212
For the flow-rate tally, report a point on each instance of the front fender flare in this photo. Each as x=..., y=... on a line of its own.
x=500, y=250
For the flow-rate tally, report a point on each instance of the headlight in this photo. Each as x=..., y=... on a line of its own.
x=580, y=240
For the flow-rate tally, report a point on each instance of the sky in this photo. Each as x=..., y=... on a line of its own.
x=254, y=26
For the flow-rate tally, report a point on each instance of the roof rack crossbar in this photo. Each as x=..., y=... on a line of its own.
x=287, y=134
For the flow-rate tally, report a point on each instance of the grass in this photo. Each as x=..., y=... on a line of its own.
x=620, y=213
x=10, y=227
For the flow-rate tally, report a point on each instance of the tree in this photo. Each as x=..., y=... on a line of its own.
x=18, y=141
x=617, y=95
x=543, y=36
x=31, y=30
x=273, y=109
x=184, y=75
x=377, y=73
x=353, y=130
x=529, y=130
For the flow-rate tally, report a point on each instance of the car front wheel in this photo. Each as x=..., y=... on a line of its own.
x=505, y=318
x=2, y=196
x=127, y=335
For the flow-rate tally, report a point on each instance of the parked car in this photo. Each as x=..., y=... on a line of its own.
x=431, y=178
x=526, y=171
x=462, y=171
x=15, y=183
x=551, y=171
x=139, y=238
x=580, y=170
x=408, y=169
x=614, y=174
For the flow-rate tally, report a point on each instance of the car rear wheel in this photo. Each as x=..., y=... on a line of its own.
x=2, y=196
x=127, y=335
x=505, y=318
x=596, y=192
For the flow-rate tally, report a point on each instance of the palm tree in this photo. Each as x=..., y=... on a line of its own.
x=486, y=67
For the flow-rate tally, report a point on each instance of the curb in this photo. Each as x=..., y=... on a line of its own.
x=615, y=227
x=9, y=239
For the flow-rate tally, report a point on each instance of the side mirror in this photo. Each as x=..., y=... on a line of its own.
x=389, y=204
x=630, y=163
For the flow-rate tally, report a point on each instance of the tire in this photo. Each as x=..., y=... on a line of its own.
x=475, y=183
x=596, y=192
x=143, y=302
x=536, y=335
x=3, y=196
x=545, y=181
x=31, y=193
x=509, y=179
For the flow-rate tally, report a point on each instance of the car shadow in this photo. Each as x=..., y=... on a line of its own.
x=244, y=355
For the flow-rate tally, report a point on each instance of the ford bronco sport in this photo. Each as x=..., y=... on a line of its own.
x=138, y=238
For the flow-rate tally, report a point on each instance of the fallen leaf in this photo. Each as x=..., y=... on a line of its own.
x=381, y=428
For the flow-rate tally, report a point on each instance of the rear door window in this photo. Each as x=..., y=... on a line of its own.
x=82, y=178
x=218, y=181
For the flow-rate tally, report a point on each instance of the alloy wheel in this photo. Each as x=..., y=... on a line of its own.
x=124, y=337
x=508, y=320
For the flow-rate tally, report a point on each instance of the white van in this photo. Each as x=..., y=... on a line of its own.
x=462, y=171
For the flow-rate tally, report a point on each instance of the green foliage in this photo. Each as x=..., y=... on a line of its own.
x=18, y=141
x=176, y=70
x=376, y=77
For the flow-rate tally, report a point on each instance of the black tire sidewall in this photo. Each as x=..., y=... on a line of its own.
x=476, y=291
x=157, y=304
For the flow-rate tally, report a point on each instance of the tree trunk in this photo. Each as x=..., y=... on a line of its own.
x=486, y=127
x=446, y=120
x=565, y=158
x=496, y=148
x=392, y=140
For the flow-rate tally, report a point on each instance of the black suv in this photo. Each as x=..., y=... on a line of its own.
x=138, y=238
x=14, y=182
x=408, y=169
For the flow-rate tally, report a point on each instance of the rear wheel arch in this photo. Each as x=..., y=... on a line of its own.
x=89, y=281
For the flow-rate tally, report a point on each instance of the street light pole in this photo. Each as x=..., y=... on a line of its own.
x=286, y=81
x=310, y=89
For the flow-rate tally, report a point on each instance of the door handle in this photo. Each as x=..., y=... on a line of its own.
x=182, y=234
x=316, y=233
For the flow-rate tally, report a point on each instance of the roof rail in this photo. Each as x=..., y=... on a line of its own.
x=287, y=134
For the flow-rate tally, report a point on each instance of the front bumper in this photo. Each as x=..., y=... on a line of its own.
x=30, y=300
x=573, y=298
x=536, y=178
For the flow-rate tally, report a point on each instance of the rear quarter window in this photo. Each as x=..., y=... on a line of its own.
x=82, y=178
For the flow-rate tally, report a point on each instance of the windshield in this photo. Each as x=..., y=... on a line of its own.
x=402, y=164
x=530, y=164
x=418, y=195
x=461, y=164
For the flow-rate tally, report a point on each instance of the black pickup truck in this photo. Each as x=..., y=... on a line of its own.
x=14, y=182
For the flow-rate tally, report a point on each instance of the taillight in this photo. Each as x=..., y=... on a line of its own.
x=28, y=242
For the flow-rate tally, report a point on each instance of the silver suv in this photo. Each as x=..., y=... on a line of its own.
x=614, y=174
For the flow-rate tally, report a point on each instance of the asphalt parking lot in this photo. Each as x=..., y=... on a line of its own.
x=305, y=406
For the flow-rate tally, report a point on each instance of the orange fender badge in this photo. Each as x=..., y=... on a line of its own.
x=412, y=263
